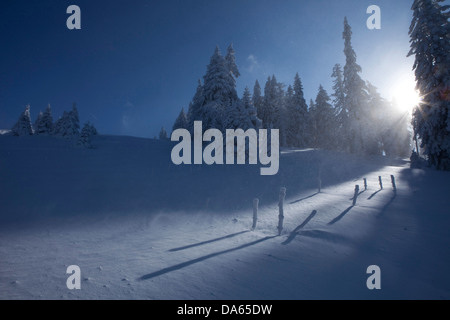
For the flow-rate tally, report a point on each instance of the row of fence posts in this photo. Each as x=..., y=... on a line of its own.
x=380, y=181
x=282, y=196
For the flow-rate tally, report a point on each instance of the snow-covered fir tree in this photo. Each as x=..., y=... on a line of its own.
x=430, y=44
x=61, y=125
x=68, y=125
x=44, y=122
x=195, y=111
x=324, y=121
x=74, y=128
x=355, y=96
x=271, y=104
x=219, y=91
x=230, y=61
x=181, y=121
x=87, y=132
x=23, y=126
x=257, y=99
x=312, y=125
x=163, y=134
x=243, y=115
x=297, y=132
x=340, y=111
x=37, y=123
x=377, y=120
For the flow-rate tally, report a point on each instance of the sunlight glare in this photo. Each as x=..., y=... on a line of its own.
x=404, y=94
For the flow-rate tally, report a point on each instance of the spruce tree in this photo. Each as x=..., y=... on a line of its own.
x=23, y=127
x=257, y=99
x=430, y=44
x=298, y=115
x=196, y=112
x=324, y=120
x=219, y=92
x=163, y=134
x=355, y=95
x=84, y=139
x=37, y=123
x=340, y=111
x=230, y=61
x=181, y=122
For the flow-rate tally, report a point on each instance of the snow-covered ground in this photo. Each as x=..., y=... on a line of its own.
x=140, y=227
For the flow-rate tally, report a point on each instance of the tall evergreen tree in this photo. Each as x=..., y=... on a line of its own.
x=74, y=121
x=44, y=122
x=163, y=134
x=23, y=126
x=272, y=104
x=219, y=90
x=324, y=120
x=257, y=98
x=37, y=123
x=430, y=43
x=181, y=122
x=298, y=115
x=312, y=125
x=196, y=112
x=84, y=139
x=376, y=120
x=355, y=95
x=340, y=111
x=68, y=125
x=230, y=61
x=242, y=114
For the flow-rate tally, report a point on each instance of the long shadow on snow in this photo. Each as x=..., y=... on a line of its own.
x=193, y=261
x=296, y=230
x=374, y=194
x=208, y=241
x=299, y=200
x=339, y=217
x=325, y=235
x=386, y=206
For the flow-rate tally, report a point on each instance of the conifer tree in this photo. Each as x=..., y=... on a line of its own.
x=430, y=44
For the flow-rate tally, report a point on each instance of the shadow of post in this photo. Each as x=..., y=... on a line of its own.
x=193, y=261
x=386, y=206
x=339, y=217
x=374, y=194
x=208, y=241
x=299, y=200
x=296, y=230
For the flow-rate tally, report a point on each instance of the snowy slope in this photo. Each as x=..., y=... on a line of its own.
x=141, y=228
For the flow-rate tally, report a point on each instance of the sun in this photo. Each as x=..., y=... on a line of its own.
x=404, y=94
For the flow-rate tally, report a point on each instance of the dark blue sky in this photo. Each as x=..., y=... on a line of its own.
x=135, y=63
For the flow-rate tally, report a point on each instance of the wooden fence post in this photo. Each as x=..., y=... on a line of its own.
x=281, y=210
x=255, y=212
x=381, y=182
x=365, y=184
x=393, y=183
x=355, y=197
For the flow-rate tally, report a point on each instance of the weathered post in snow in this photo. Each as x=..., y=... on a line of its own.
x=393, y=183
x=255, y=212
x=365, y=184
x=319, y=180
x=355, y=197
x=381, y=182
x=281, y=210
